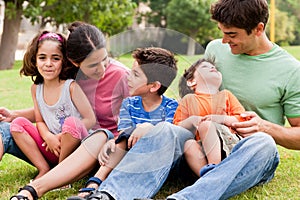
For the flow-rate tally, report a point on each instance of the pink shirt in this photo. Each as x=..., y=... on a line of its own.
x=106, y=95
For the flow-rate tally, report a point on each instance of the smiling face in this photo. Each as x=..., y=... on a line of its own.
x=206, y=73
x=238, y=39
x=137, y=81
x=95, y=64
x=49, y=60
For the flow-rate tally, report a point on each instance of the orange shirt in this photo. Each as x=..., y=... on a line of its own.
x=222, y=103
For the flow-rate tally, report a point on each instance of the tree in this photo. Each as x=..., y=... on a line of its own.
x=284, y=28
x=110, y=16
x=11, y=27
x=291, y=8
x=157, y=16
x=191, y=17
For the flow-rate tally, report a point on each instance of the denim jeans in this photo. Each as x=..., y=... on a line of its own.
x=252, y=161
x=9, y=145
x=144, y=169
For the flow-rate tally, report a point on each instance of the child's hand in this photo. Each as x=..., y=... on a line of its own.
x=140, y=131
x=108, y=147
x=52, y=144
x=221, y=119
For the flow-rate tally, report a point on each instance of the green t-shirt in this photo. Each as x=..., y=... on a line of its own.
x=268, y=84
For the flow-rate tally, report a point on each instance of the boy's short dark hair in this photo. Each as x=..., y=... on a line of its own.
x=188, y=75
x=244, y=14
x=158, y=64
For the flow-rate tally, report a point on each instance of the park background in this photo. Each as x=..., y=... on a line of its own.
x=21, y=20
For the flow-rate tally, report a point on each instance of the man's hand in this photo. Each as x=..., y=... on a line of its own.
x=252, y=125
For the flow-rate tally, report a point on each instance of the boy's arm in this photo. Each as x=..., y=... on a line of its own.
x=191, y=123
x=182, y=111
x=139, y=131
x=221, y=119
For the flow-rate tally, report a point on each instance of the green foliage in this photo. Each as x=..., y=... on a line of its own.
x=291, y=8
x=12, y=7
x=192, y=17
x=284, y=28
x=110, y=16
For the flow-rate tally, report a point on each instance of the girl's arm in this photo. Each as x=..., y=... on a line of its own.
x=83, y=105
x=52, y=141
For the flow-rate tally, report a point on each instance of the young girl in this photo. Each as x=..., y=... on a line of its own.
x=209, y=112
x=62, y=111
x=104, y=81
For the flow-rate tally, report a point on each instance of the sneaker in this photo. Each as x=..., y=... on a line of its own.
x=206, y=169
x=99, y=195
x=142, y=199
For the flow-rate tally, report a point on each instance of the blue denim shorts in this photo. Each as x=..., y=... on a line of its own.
x=9, y=145
x=107, y=132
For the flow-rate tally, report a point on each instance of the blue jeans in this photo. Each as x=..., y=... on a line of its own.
x=144, y=169
x=252, y=161
x=9, y=145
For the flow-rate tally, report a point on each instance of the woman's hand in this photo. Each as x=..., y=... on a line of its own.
x=5, y=115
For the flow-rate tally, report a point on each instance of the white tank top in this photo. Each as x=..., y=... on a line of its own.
x=55, y=115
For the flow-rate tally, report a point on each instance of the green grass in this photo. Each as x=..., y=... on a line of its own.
x=294, y=50
x=14, y=173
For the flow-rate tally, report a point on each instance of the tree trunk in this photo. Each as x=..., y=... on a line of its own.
x=9, y=40
x=191, y=44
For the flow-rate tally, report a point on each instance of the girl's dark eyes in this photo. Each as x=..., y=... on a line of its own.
x=41, y=57
x=54, y=58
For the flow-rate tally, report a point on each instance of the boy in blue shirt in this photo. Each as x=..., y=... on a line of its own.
x=153, y=71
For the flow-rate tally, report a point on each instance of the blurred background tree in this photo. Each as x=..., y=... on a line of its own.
x=110, y=16
x=190, y=17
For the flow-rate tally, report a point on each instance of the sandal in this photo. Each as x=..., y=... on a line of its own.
x=89, y=189
x=30, y=189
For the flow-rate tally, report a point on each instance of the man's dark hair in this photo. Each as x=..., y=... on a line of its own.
x=244, y=14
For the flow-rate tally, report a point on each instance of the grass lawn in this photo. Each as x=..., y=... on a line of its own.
x=15, y=94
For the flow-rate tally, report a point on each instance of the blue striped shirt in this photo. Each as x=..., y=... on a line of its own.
x=132, y=112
